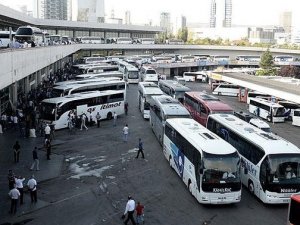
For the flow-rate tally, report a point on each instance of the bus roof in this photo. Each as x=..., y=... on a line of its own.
x=169, y=105
x=149, y=88
x=93, y=75
x=88, y=80
x=270, y=143
x=82, y=95
x=67, y=86
x=174, y=85
x=266, y=102
x=212, y=102
x=201, y=137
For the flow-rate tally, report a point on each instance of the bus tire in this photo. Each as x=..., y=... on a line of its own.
x=251, y=187
x=189, y=186
x=109, y=116
x=219, y=93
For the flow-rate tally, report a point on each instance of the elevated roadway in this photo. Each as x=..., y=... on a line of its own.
x=290, y=92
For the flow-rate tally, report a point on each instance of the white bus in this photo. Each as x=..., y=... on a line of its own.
x=100, y=68
x=187, y=58
x=163, y=59
x=148, y=74
x=145, y=91
x=196, y=76
x=5, y=40
x=174, y=89
x=296, y=117
x=83, y=86
x=256, y=94
x=89, y=60
x=248, y=58
x=123, y=40
x=98, y=75
x=209, y=167
x=164, y=107
x=226, y=89
x=270, y=164
x=92, y=40
x=219, y=58
x=87, y=80
x=30, y=35
x=284, y=58
x=57, y=110
x=146, y=41
x=131, y=74
x=55, y=39
x=267, y=110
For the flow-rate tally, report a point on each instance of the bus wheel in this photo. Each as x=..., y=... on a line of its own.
x=251, y=187
x=189, y=186
x=109, y=116
x=219, y=93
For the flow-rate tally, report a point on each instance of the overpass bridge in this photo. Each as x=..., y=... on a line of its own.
x=287, y=91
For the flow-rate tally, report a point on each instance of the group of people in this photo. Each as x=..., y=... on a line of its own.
x=130, y=208
x=16, y=190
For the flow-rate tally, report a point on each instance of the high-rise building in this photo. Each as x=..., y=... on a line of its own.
x=183, y=22
x=220, y=13
x=51, y=9
x=91, y=11
x=165, y=22
x=285, y=21
x=127, y=17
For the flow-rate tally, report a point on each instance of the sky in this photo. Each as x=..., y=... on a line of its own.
x=245, y=12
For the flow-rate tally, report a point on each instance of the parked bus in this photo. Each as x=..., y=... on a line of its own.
x=163, y=59
x=131, y=74
x=164, y=107
x=270, y=164
x=219, y=58
x=148, y=74
x=55, y=39
x=200, y=105
x=256, y=94
x=226, y=89
x=92, y=40
x=57, y=110
x=187, y=58
x=289, y=108
x=5, y=40
x=98, y=75
x=123, y=40
x=196, y=76
x=208, y=166
x=68, y=89
x=100, y=68
x=145, y=91
x=30, y=35
x=146, y=41
x=89, y=60
x=296, y=117
x=284, y=58
x=248, y=58
x=88, y=80
x=174, y=89
x=267, y=110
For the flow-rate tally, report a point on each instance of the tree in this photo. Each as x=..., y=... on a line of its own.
x=266, y=61
x=182, y=34
x=290, y=71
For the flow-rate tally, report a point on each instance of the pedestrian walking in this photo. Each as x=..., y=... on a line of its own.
x=11, y=179
x=129, y=211
x=115, y=119
x=19, y=185
x=98, y=118
x=14, y=195
x=126, y=108
x=47, y=132
x=48, y=149
x=139, y=213
x=35, y=158
x=32, y=188
x=125, y=133
x=140, y=146
x=16, y=148
x=83, y=119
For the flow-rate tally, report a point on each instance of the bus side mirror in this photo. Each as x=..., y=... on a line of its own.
x=245, y=170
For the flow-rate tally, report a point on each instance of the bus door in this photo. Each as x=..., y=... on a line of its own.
x=81, y=109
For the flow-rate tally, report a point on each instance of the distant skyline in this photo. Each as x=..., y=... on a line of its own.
x=244, y=12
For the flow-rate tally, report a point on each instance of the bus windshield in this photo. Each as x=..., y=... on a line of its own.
x=278, y=111
x=284, y=168
x=151, y=72
x=24, y=31
x=48, y=111
x=221, y=168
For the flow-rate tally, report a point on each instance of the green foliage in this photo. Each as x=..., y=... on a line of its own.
x=266, y=61
x=267, y=72
x=182, y=34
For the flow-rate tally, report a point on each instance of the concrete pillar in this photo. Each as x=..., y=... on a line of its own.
x=36, y=79
x=13, y=93
x=27, y=84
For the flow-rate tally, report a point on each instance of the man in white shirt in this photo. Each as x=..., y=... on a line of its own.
x=47, y=132
x=129, y=210
x=125, y=133
x=83, y=119
x=14, y=195
x=19, y=185
x=32, y=188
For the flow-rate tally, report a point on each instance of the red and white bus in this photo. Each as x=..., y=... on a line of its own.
x=200, y=105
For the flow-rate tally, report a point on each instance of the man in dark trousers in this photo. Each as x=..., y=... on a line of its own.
x=16, y=148
x=48, y=149
x=140, y=149
x=14, y=195
x=129, y=210
x=98, y=118
x=126, y=108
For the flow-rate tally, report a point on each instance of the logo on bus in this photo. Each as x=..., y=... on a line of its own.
x=221, y=190
x=288, y=190
x=110, y=105
x=250, y=168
